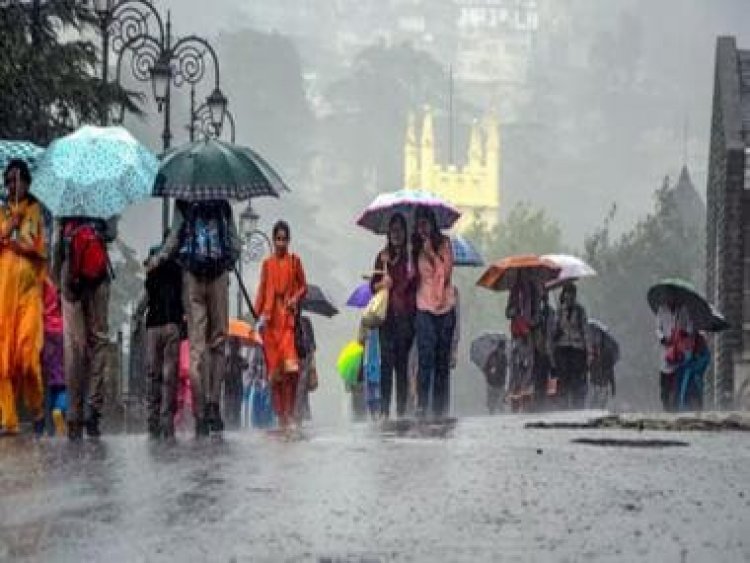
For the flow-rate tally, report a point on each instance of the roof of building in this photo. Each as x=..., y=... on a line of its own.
x=687, y=200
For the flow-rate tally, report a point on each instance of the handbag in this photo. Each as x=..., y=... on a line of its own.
x=376, y=311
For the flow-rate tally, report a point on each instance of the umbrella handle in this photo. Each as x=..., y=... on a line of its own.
x=245, y=294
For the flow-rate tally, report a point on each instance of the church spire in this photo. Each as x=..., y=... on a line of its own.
x=411, y=155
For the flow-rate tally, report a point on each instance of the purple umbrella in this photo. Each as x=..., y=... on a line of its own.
x=360, y=297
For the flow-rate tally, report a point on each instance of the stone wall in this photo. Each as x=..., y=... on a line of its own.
x=725, y=250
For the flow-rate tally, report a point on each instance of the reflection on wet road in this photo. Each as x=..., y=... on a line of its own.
x=485, y=491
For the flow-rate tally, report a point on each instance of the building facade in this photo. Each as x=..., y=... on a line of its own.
x=474, y=187
x=728, y=225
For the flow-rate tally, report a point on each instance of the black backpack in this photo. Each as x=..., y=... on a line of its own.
x=206, y=249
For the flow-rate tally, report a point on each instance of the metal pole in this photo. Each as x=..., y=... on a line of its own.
x=167, y=133
x=239, y=288
x=191, y=128
x=104, y=113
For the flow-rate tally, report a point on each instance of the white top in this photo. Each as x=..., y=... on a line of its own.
x=666, y=322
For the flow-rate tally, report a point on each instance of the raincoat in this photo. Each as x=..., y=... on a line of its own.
x=281, y=279
x=21, y=282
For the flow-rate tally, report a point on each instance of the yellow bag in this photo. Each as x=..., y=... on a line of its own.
x=374, y=314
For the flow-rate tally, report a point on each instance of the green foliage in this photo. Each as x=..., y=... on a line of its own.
x=273, y=114
x=48, y=70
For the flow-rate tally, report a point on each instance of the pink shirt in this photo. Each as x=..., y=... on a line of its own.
x=435, y=293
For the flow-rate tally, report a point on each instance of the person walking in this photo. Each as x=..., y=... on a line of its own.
x=22, y=271
x=282, y=287
x=237, y=365
x=542, y=336
x=394, y=272
x=205, y=243
x=84, y=274
x=603, y=355
x=436, y=317
x=308, y=376
x=253, y=380
x=523, y=311
x=571, y=349
x=52, y=360
x=495, y=370
x=675, y=333
x=162, y=304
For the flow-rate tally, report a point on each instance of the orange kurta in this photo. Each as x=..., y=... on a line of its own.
x=281, y=279
x=21, y=288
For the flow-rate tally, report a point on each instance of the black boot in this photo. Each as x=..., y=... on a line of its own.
x=215, y=423
x=154, y=432
x=201, y=428
x=75, y=431
x=92, y=425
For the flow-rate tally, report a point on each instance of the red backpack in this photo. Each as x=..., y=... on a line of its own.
x=87, y=253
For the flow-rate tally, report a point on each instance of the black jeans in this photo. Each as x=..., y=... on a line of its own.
x=396, y=338
x=571, y=370
x=434, y=338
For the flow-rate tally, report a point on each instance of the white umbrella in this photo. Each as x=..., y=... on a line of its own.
x=571, y=268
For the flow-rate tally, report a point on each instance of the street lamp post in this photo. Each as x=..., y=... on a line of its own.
x=255, y=246
x=203, y=121
x=126, y=27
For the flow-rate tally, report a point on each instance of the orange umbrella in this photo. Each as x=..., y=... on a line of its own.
x=501, y=275
x=242, y=331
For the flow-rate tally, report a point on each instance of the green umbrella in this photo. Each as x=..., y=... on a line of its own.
x=683, y=292
x=213, y=169
x=719, y=322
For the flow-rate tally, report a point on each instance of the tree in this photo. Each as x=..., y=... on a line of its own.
x=666, y=243
x=263, y=73
x=45, y=76
x=371, y=106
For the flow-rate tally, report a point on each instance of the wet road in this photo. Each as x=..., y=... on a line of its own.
x=489, y=491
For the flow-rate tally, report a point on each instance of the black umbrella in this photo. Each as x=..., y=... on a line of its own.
x=318, y=302
x=607, y=337
x=683, y=293
x=483, y=346
x=718, y=322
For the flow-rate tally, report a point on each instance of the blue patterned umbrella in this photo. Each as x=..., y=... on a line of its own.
x=465, y=253
x=24, y=150
x=95, y=172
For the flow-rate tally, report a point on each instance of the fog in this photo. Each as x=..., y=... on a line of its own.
x=597, y=102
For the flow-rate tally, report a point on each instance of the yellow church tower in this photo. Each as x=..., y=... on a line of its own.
x=475, y=187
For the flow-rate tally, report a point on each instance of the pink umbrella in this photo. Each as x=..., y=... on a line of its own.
x=378, y=214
